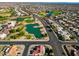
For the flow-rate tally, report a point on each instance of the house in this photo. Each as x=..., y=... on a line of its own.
x=40, y=50
x=11, y=24
x=13, y=51
x=3, y=35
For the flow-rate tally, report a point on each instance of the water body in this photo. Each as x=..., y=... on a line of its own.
x=34, y=29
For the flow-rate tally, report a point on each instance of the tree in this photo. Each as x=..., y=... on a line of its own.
x=28, y=36
x=45, y=35
x=13, y=37
x=12, y=31
x=48, y=52
x=18, y=30
x=60, y=37
x=21, y=33
x=72, y=52
x=72, y=37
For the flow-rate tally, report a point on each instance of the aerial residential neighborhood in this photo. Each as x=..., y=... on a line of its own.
x=39, y=29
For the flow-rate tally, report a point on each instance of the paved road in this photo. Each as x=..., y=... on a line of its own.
x=53, y=39
x=54, y=42
x=71, y=32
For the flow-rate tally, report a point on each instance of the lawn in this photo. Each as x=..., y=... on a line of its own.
x=29, y=20
x=2, y=18
x=49, y=13
x=56, y=12
x=42, y=14
x=20, y=19
x=6, y=12
x=1, y=48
